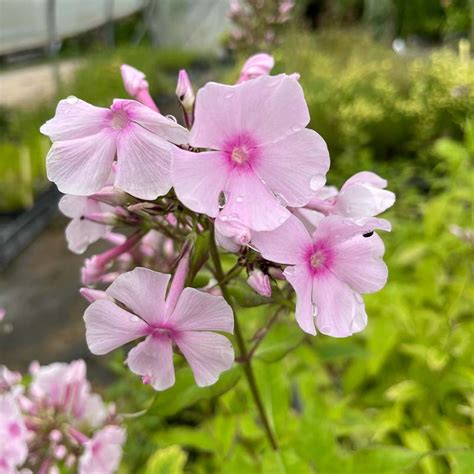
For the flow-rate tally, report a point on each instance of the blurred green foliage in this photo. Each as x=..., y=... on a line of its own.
x=397, y=397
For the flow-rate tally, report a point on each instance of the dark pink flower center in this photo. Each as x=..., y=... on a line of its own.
x=320, y=257
x=239, y=155
x=241, y=150
x=317, y=259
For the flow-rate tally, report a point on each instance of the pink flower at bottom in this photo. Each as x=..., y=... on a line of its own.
x=102, y=453
x=262, y=157
x=87, y=139
x=329, y=269
x=13, y=435
x=188, y=323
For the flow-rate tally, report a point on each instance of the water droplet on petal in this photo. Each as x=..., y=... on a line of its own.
x=72, y=99
x=239, y=199
x=317, y=182
x=224, y=218
x=222, y=200
x=314, y=310
x=233, y=217
x=229, y=95
x=134, y=319
x=296, y=128
x=281, y=199
x=282, y=220
x=171, y=117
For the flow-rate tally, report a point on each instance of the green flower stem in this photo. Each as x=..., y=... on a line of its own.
x=240, y=342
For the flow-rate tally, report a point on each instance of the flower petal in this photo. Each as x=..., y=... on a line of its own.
x=291, y=166
x=358, y=262
x=143, y=291
x=302, y=282
x=286, y=244
x=143, y=163
x=207, y=353
x=199, y=311
x=109, y=327
x=268, y=106
x=338, y=313
x=80, y=233
x=153, y=358
x=161, y=126
x=198, y=179
x=75, y=118
x=250, y=203
x=82, y=166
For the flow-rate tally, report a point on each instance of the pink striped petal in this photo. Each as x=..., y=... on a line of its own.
x=207, y=353
x=198, y=311
x=153, y=360
x=82, y=166
x=302, y=282
x=294, y=167
x=109, y=327
x=75, y=118
x=198, y=179
x=286, y=244
x=143, y=291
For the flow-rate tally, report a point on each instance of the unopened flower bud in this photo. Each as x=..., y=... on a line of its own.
x=186, y=97
x=137, y=86
x=257, y=65
x=107, y=218
x=92, y=295
x=111, y=195
x=260, y=283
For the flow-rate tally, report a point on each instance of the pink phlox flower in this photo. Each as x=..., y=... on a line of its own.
x=137, y=86
x=262, y=157
x=260, y=283
x=103, y=452
x=257, y=65
x=8, y=379
x=88, y=139
x=13, y=435
x=188, y=323
x=362, y=195
x=329, y=269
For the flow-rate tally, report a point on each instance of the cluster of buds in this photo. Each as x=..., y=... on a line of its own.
x=54, y=423
x=256, y=23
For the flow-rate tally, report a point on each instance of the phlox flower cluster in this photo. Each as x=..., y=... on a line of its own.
x=246, y=174
x=55, y=423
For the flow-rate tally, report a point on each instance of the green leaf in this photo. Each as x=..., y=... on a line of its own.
x=185, y=392
x=199, y=256
x=282, y=338
x=462, y=461
x=383, y=460
x=284, y=462
x=169, y=460
x=189, y=437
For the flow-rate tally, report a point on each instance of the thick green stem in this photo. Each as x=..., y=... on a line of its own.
x=246, y=363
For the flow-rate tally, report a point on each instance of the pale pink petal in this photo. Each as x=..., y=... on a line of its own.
x=294, y=167
x=133, y=79
x=358, y=262
x=308, y=217
x=153, y=359
x=362, y=200
x=338, y=313
x=268, y=107
x=109, y=327
x=75, y=206
x=366, y=177
x=207, y=353
x=231, y=234
x=287, y=244
x=143, y=163
x=302, y=282
x=163, y=127
x=83, y=165
x=75, y=118
x=336, y=229
x=103, y=452
x=199, y=311
x=198, y=179
x=255, y=66
x=80, y=233
x=143, y=291
x=250, y=203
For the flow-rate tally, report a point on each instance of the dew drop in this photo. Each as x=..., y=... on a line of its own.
x=316, y=182
x=282, y=220
x=239, y=199
x=233, y=217
x=222, y=199
x=296, y=128
x=229, y=95
x=171, y=117
x=134, y=319
x=314, y=310
x=224, y=218
x=72, y=99
x=281, y=199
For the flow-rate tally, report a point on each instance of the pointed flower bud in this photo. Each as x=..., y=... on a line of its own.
x=92, y=295
x=186, y=97
x=260, y=283
x=257, y=65
x=137, y=86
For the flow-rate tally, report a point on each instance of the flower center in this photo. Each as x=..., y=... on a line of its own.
x=317, y=259
x=239, y=155
x=119, y=119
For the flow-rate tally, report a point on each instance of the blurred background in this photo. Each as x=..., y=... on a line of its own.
x=390, y=87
